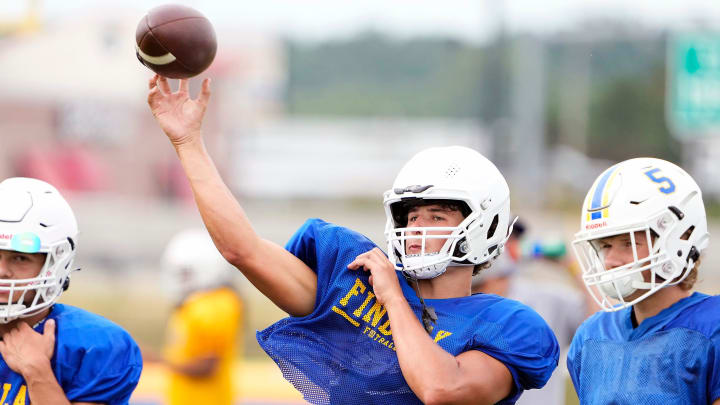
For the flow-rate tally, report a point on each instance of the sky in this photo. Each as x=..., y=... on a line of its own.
x=473, y=20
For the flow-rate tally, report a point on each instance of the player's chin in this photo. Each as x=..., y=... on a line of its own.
x=635, y=295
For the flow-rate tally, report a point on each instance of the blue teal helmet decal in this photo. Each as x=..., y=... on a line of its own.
x=26, y=242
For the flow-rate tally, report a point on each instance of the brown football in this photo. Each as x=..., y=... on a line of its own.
x=175, y=41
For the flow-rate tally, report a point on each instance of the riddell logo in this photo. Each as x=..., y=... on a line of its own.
x=596, y=226
x=5, y=236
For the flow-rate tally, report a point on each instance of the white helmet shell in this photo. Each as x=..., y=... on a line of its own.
x=452, y=174
x=35, y=218
x=646, y=195
x=191, y=262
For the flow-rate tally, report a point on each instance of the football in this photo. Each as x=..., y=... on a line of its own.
x=175, y=41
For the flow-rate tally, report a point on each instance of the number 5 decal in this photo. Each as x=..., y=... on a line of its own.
x=669, y=188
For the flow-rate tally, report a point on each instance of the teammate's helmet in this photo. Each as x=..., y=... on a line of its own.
x=35, y=218
x=456, y=175
x=651, y=196
x=191, y=262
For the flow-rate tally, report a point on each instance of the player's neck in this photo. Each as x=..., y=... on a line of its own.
x=455, y=282
x=655, y=303
x=31, y=320
x=498, y=286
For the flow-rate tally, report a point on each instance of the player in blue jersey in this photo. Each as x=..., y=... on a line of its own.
x=52, y=353
x=657, y=342
x=361, y=332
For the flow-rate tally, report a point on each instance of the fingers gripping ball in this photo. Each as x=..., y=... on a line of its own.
x=175, y=41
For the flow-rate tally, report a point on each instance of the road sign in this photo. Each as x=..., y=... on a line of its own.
x=693, y=88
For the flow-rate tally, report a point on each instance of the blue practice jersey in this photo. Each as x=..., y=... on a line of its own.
x=94, y=360
x=670, y=358
x=343, y=353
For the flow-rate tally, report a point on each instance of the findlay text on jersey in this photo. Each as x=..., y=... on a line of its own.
x=360, y=294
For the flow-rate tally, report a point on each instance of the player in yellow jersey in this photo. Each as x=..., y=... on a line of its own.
x=203, y=328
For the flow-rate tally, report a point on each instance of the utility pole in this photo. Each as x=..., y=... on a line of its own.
x=527, y=134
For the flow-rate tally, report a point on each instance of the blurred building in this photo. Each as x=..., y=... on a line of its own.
x=340, y=157
x=73, y=107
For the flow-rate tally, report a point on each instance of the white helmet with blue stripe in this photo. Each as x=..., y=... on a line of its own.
x=35, y=218
x=656, y=198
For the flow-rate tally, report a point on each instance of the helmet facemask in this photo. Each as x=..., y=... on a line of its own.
x=616, y=288
x=611, y=285
x=51, y=281
x=476, y=240
x=427, y=264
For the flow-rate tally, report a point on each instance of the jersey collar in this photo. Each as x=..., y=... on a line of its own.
x=657, y=322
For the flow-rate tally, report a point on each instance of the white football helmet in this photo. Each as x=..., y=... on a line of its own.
x=454, y=174
x=35, y=218
x=191, y=262
x=641, y=195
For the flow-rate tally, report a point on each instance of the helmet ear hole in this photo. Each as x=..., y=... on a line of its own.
x=493, y=227
x=462, y=248
x=686, y=235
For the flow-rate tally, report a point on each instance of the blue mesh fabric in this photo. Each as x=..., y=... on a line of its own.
x=343, y=353
x=671, y=358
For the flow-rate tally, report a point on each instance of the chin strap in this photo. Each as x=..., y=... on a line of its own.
x=429, y=317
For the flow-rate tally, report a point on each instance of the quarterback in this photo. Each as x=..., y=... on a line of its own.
x=643, y=231
x=52, y=353
x=360, y=331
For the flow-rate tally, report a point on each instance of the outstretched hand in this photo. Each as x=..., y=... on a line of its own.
x=179, y=116
x=382, y=275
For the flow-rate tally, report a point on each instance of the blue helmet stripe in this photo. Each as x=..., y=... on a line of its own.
x=597, y=197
